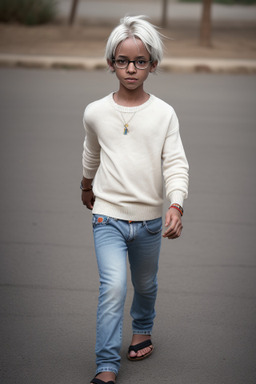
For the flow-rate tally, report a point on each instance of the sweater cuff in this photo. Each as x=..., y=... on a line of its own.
x=88, y=174
x=177, y=198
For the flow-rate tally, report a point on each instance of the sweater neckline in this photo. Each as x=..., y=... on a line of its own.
x=123, y=108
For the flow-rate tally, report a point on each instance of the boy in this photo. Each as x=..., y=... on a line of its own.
x=132, y=140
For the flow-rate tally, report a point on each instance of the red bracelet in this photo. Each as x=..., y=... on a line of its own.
x=178, y=207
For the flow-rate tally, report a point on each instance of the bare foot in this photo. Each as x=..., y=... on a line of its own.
x=106, y=376
x=136, y=339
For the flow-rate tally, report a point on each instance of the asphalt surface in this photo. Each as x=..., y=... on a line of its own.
x=206, y=313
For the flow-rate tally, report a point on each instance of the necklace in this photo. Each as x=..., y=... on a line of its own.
x=126, y=123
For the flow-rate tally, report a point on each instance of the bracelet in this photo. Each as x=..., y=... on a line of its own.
x=178, y=207
x=85, y=189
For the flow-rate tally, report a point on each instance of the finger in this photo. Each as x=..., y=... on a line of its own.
x=91, y=203
x=173, y=233
x=167, y=220
x=171, y=230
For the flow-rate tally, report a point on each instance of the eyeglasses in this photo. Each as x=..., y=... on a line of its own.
x=139, y=63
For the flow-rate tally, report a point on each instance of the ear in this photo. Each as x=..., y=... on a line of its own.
x=111, y=65
x=153, y=66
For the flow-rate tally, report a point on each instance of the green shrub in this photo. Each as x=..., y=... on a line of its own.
x=29, y=12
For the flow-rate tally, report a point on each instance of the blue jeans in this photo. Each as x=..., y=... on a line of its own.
x=113, y=239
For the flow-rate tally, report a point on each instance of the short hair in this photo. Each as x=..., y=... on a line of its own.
x=136, y=27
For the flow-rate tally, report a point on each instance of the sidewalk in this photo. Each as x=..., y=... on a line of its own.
x=82, y=46
x=178, y=65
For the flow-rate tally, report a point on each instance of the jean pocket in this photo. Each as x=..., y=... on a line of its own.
x=154, y=226
x=99, y=220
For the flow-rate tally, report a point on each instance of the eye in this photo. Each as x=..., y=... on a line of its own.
x=121, y=61
x=141, y=62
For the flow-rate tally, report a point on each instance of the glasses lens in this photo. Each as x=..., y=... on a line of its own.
x=141, y=64
x=121, y=63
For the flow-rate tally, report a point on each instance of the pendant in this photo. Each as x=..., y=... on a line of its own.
x=126, y=129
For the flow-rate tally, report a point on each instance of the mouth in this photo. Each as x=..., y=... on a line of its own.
x=131, y=79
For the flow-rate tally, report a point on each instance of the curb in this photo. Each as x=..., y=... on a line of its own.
x=209, y=65
x=179, y=65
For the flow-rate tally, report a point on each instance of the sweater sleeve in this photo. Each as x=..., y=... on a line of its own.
x=175, y=164
x=91, y=149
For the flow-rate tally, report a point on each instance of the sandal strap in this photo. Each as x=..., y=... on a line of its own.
x=138, y=347
x=98, y=381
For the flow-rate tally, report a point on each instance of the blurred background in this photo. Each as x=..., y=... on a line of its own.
x=207, y=28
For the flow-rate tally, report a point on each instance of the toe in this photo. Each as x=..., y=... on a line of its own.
x=133, y=354
x=143, y=351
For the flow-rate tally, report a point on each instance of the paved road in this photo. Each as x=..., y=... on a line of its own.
x=205, y=329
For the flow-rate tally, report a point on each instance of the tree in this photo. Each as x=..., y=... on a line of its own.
x=206, y=27
x=73, y=11
x=164, y=13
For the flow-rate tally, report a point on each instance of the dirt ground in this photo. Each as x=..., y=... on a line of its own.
x=235, y=40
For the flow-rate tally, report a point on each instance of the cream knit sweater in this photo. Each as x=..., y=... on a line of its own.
x=128, y=170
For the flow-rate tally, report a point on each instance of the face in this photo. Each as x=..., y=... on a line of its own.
x=132, y=78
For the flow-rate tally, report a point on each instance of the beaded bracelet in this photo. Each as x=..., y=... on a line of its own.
x=85, y=189
x=178, y=207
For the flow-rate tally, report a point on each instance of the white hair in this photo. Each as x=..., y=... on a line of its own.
x=136, y=27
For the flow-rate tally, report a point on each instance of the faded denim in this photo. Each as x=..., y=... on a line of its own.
x=114, y=239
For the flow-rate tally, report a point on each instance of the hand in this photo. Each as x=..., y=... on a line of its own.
x=173, y=220
x=88, y=199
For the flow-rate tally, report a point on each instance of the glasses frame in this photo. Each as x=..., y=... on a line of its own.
x=134, y=63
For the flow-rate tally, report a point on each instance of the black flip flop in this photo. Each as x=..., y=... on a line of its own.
x=138, y=347
x=98, y=381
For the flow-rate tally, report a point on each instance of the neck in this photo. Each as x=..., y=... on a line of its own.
x=129, y=98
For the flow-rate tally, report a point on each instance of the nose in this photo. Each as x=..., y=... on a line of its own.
x=131, y=67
